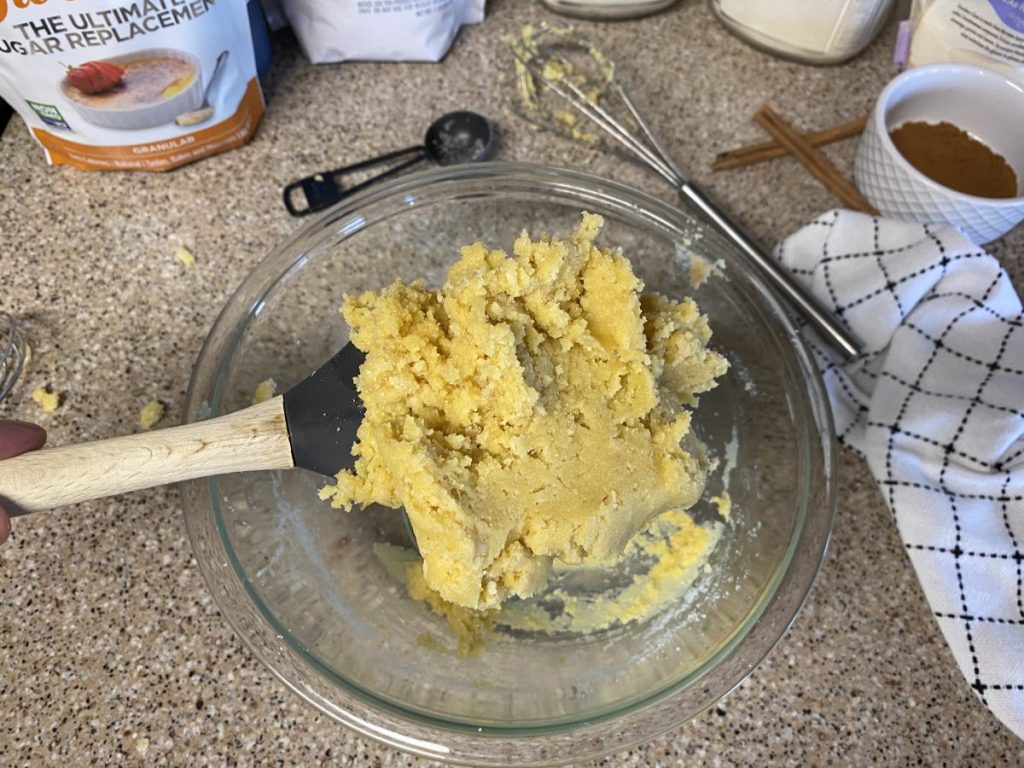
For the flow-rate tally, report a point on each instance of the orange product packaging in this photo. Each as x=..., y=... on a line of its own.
x=144, y=85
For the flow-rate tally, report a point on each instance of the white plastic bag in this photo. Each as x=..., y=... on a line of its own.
x=379, y=30
x=988, y=33
x=134, y=85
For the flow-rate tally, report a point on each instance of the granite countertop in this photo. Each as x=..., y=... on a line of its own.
x=111, y=648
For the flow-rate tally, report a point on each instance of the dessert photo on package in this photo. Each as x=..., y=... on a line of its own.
x=143, y=86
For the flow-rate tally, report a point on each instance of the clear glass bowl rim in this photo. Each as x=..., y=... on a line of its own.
x=451, y=742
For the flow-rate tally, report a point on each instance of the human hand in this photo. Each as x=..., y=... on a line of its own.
x=17, y=437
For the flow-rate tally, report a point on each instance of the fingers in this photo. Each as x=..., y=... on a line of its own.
x=19, y=436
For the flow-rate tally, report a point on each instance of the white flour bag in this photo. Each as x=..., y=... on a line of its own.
x=379, y=30
x=131, y=84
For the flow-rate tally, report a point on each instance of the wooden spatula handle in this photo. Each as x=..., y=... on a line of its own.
x=250, y=439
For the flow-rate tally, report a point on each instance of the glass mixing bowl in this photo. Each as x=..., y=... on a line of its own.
x=302, y=585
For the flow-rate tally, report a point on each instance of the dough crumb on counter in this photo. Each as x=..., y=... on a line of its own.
x=150, y=414
x=265, y=390
x=185, y=256
x=536, y=408
x=48, y=400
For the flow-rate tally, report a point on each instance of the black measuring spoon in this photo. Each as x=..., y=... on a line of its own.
x=457, y=137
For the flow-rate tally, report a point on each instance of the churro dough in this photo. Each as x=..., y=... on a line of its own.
x=265, y=390
x=536, y=407
x=677, y=549
x=46, y=399
x=150, y=414
x=185, y=257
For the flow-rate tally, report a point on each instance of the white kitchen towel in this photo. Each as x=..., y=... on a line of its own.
x=935, y=406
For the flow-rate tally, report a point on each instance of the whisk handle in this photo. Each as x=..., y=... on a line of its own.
x=827, y=325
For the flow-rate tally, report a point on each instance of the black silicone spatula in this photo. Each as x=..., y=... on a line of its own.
x=313, y=425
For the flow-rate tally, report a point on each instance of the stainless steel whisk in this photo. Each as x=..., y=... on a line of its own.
x=12, y=353
x=556, y=74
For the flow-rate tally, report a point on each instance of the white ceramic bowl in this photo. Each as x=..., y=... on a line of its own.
x=986, y=104
x=146, y=115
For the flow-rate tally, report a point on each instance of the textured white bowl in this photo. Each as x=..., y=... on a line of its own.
x=986, y=104
x=147, y=115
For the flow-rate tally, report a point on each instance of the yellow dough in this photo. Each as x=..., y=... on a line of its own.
x=150, y=414
x=46, y=399
x=185, y=256
x=536, y=407
x=265, y=390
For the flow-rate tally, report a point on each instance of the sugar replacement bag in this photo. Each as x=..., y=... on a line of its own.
x=132, y=84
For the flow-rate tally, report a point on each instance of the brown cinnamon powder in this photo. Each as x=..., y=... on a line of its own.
x=955, y=159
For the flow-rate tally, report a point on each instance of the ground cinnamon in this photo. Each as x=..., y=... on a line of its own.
x=950, y=156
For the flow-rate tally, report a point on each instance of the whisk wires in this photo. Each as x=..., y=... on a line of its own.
x=12, y=354
x=555, y=73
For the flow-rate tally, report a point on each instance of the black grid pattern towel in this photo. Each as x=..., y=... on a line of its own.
x=935, y=407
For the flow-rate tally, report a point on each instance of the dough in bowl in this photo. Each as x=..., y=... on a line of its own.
x=536, y=407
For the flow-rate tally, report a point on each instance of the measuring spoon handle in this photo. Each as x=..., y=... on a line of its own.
x=324, y=189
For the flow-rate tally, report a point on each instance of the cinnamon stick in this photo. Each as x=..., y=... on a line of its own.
x=770, y=150
x=813, y=160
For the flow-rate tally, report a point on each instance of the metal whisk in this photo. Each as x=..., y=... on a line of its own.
x=12, y=353
x=561, y=77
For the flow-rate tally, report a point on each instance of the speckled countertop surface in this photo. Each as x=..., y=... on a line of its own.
x=111, y=649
